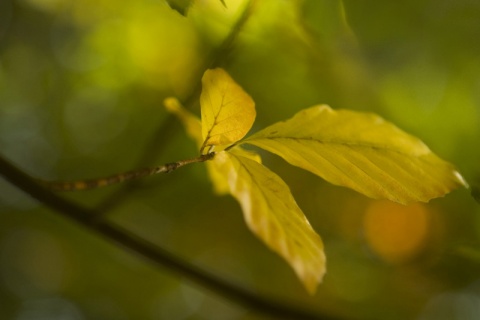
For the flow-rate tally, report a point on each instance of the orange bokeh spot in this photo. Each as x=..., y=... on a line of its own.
x=395, y=232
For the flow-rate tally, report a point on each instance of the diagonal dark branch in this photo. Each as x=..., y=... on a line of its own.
x=123, y=238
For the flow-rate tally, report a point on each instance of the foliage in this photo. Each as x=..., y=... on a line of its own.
x=80, y=86
x=352, y=149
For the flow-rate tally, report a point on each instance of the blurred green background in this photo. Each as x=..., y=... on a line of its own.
x=81, y=90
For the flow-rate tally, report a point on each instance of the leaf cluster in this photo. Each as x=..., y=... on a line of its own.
x=357, y=150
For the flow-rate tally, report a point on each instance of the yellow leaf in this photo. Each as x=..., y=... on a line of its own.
x=228, y=112
x=193, y=127
x=192, y=124
x=272, y=214
x=219, y=173
x=360, y=151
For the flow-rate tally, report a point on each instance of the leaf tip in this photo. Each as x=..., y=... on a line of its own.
x=228, y=112
x=312, y=280
x=460, y=179
x=171, y=104
x=181, y=6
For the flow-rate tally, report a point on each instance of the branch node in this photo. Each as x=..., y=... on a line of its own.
x=169, y=167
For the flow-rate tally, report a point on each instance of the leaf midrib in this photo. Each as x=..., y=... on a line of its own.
x=339, y=142
x=251, y=175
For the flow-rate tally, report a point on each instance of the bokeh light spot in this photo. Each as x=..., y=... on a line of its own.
x=165, y=49
x=395, y=232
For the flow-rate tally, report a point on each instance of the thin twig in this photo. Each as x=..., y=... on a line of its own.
x=81, y=185
x=166, y=128
x=124, y=239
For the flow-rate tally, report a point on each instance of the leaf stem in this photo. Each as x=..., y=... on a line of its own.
x=121, y=177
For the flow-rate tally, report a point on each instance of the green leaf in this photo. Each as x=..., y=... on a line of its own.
x=272, y=214
x=181, y=6
x=228, y=112
x=360, y=151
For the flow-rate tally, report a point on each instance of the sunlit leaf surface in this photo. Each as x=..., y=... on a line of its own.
x=360, y=151
x=228, y=112
x=193, y=127
x=273, y=215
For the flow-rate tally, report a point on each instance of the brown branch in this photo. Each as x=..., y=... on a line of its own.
x=154, y=254
x=81, y=185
